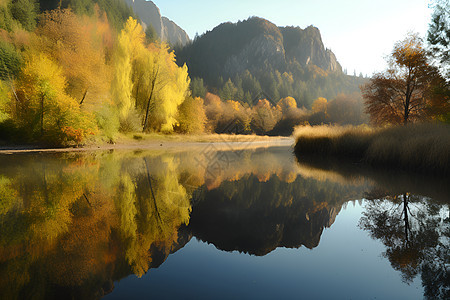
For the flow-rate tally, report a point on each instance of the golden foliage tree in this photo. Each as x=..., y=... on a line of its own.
x=320, y=105
x=77, y=44
x=43, y=107
x=191, y=116
x=147, y=79
x=402, y=93
x=129, y=44
x=264, y=116
x=168, y=89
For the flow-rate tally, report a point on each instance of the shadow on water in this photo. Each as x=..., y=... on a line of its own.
x=72, y=224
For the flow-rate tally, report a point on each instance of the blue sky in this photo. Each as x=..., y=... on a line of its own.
x=360, y=33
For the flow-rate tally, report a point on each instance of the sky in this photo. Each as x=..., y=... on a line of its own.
x=361, y=33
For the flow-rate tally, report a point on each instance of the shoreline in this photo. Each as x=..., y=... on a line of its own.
x=191, y=143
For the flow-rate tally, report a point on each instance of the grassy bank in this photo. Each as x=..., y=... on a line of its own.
x=420, y=148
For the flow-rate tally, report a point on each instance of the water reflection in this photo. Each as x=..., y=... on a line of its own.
x=73, y=224
x=414, y=229
x=255, y=216
x=415, y=232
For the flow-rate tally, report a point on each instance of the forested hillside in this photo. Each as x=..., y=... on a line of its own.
x=74, y=71
x=243, y=60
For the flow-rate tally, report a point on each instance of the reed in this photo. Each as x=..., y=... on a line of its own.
x=416, y=147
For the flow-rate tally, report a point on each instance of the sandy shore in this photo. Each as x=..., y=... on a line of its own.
x=215, y=143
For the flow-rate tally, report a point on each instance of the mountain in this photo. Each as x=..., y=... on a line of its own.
x=232, y=48
x=244, y=60
x=166, y=29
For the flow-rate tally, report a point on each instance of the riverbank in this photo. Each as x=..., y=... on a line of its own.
x=423, y=148
x=163, y=142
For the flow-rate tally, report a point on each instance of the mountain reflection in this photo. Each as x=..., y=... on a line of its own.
x=72, y=224
x=254, y=216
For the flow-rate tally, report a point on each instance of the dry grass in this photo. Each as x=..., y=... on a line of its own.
x=420, y=147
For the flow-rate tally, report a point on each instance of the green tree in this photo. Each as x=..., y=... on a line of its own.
x=26, y=12
x=150, y=34
x=198, y=87
x=439, y=36
x=10, y=61
x=228, y=91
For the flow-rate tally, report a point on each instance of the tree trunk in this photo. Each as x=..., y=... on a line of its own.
x=42, y=114
x=149, y=100
x=155, y=205
x=84, y=97
x=405, y=216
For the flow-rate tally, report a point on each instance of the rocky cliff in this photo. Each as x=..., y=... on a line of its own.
x=256, y=43
x=306, y=46
x=166, y=29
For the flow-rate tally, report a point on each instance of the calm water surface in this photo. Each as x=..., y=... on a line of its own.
x=210, y=224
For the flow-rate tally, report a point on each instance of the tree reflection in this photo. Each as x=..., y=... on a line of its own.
x=415, y=231
x=74, y=225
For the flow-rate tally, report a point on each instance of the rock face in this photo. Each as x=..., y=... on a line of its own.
x=258, y=52
x=306, y=47
x=173, y=34
x=231, y=48
x=166, y=29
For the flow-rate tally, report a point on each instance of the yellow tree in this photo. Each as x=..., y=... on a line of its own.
x=191, y=116
x=129, y=45
x=44, y=109
x=167, y=87
x=286, y=104
x=320, y=105
x=265, y=116
x=77, y=44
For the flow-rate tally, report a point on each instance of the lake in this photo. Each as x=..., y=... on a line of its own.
x=215, y=222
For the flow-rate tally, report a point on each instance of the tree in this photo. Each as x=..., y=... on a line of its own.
x=130, y=44
x=402, y=93
x=319, y=105
x=414, y=231
x=439, y=36
x=346, y=109
x=198, y=87
x=75, y=43
x=26, y=12
x=150, y=33
x=10, y=61
x=264, y=117
x=43, y=108
x=191, y=116
x=165, y=87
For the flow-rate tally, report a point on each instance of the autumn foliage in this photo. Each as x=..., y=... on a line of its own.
x=406, y=91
